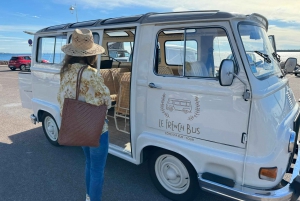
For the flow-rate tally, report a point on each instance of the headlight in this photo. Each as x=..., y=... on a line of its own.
x=292, y=141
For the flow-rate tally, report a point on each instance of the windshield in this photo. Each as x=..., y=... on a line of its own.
x=259, y=51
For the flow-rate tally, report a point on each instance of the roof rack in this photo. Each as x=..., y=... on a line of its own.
x=56, y=27
x=121, y=20
x=83, y=24
x=186, y=15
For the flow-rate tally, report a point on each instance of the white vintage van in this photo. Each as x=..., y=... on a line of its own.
x=227, y=126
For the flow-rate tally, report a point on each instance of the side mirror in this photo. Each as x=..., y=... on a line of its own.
x=226, y=72
x=290, y=65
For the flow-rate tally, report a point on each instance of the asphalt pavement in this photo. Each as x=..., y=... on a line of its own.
x=31, y=169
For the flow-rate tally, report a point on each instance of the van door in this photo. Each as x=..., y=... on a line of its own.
x=184, y=97
x=25, y=88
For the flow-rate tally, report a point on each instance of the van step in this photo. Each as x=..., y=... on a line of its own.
x=218, y=179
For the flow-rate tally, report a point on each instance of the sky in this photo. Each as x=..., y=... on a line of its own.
x=32, y=15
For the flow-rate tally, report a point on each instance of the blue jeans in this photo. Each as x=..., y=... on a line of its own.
x=94, y=167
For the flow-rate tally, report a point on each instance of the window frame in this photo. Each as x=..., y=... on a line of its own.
x=265, y=76
x=155, y=65
x=54, y=47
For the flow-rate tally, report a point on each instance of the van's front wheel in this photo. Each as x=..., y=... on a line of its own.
x=173, y=176
x=50, y=128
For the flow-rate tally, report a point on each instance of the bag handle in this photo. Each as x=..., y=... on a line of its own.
x=79, y=75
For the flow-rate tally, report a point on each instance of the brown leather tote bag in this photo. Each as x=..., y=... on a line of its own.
x=82, y=123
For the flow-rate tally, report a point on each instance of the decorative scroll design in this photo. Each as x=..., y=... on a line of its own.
x=197, y=109
x=162, y=106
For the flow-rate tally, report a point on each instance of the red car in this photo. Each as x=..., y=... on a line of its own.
x=19, y=62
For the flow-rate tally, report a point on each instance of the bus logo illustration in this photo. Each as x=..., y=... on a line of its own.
x=179, y=105
x=185, y=106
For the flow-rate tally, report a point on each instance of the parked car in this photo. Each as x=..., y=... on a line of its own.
x=19, y=62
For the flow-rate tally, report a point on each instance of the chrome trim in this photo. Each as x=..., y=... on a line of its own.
x=33, y=119
x=244, y=193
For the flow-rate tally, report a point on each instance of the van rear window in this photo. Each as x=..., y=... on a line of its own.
x=49, y=49
x=14, y=58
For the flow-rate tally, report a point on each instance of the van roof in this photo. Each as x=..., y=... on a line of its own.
x=157, y=18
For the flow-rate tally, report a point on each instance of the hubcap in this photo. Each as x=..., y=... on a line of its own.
x=51, y=128
x=172, y=174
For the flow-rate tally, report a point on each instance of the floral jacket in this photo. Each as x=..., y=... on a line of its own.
x=92, y=88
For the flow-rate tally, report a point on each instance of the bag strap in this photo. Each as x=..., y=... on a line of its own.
x=79, y=75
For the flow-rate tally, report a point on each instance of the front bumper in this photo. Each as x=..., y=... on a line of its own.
x=288, y=192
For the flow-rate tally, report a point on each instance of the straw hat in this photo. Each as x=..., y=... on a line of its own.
x=82, y=44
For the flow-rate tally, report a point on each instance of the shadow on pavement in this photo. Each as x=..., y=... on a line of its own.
x=33, y=169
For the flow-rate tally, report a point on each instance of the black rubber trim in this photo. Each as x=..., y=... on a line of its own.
x=218, y=179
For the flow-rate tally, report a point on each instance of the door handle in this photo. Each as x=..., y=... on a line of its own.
x=152, y=85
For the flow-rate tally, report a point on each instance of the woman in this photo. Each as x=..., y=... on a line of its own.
x=83, y=51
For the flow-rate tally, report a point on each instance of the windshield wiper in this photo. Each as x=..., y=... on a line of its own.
x=276, y=56
x=265, y=56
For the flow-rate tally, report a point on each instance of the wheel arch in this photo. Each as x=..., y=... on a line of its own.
x=150, y=149
x=146, y=147
x=41, y=107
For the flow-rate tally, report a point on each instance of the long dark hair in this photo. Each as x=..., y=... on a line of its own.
x=69, y=60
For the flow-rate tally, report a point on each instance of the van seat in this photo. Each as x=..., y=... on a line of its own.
x=196, y=68
x=165, y=70
x=122, y=105
x=109, y=82
x=116, y=76
x=123, y=101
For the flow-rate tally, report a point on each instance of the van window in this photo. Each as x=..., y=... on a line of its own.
x=192, y=52
x=222, y=51
x=49, y=49
x=120, y=51
x=174, y=51
x=256, y=43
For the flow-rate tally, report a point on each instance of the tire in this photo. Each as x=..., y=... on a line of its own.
x=50, y=128
x=13, y=69
x=173, y=176
x=22, y=67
